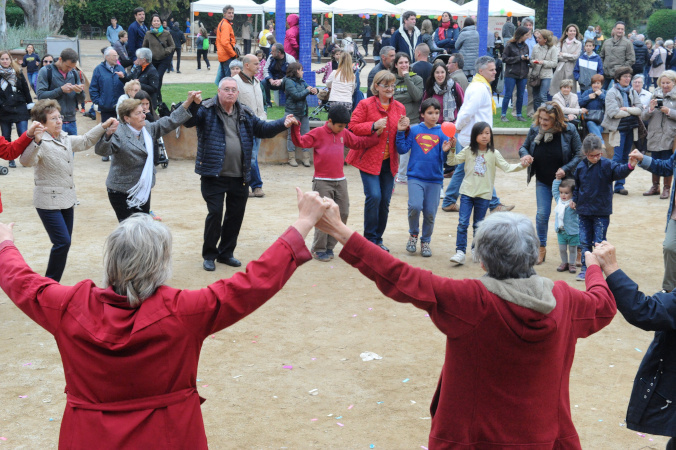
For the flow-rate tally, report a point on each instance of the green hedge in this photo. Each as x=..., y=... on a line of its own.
x=662, y=23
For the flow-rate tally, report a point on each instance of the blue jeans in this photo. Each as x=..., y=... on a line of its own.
x=304, y=129
x=378, y=192
x=225, y=70
x=594, y=128
x=510, y=83
x=33, y=80
x=422, y=197
x=70, y=128
x=543, y=197
x=592, y=230
x=6, y=127
x=540, y=93
x=255, y=181
x=453, y=189
x=467, y=204
x=59, y=226
x=621, y=154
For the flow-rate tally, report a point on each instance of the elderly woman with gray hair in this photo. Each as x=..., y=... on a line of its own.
x=146, y=74
x=511, y=334
x=132, y=171
x=130, y=349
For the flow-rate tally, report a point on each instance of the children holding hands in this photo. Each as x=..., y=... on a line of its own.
x=429, y=148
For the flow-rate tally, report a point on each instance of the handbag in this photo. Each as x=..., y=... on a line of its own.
x=534, y=81
x=595, y=115
x=642, y=130
x=658, y=59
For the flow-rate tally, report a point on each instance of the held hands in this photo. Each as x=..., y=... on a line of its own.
x=560, y=174
x=380, y=125
x=6, y=233
x=403, y=123
x=633, y=162
x=604, y=256
x=289, y=121
x=311, y=207
x=636, y=155
x=448, y=145
x=110, y=126
x=572, y=205
x=35, y=131
x=527, y=160
x=193, y=97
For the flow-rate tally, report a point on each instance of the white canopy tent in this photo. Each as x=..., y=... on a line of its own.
x=497, y=8
x=292, y=6
x=361, y=7
x=431, y=7
x=216, y=6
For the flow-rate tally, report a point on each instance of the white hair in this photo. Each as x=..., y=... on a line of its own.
x=137, y=258
x=144, y=53
x=107, y=51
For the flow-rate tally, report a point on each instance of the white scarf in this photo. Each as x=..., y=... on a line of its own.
x=140, y=192
x=560, y=211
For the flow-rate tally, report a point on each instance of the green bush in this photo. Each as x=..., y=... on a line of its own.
x=16, y=34
x=14, y=15
x=97, y=13
x=662, y=23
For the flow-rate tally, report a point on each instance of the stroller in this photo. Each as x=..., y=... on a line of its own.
x=323, y=97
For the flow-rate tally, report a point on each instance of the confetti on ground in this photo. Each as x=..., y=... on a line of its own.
x=427, y=315
x=314, y=285
x=371, y=309
x=369, y=356
x=329, y=415
x=405, y=381
x=612, y=365
x=237, y=376
x=425, y=418
x=28, y=364
x=637, y=349
x=51, y=420
x=3, y=438
x=313, y=420
x=287, y=367
x=380, y=403
x=600, y=420
x=354, y=315
x=314, y=359
x=313, y=392
x=371, y=446
x=422, y=446
x=253, y=342
x=412, y=402
x=350, y=407
x=205, y=385
x=340, y=424
x=23, y=396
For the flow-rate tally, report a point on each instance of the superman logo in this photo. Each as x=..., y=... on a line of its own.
x=427, y=141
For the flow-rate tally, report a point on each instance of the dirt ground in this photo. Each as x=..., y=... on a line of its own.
x=319, y=323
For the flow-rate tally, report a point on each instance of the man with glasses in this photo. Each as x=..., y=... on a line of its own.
x=226, y=130
x=62, y=82
x=478, y=106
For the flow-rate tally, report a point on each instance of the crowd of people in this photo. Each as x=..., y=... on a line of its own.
x=428, y=115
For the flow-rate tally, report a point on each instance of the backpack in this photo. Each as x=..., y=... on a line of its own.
x=205, y=44
x=50, y=71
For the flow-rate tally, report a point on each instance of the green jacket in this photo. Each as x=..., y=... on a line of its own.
x=409, y=91
x=295, y=90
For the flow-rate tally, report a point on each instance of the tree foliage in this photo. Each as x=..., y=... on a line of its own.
x=662, y=23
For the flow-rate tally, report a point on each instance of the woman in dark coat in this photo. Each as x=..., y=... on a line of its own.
x=15, y=97
x=296, y=91
x=447, y=33
x=161, y=43
x=516, y=60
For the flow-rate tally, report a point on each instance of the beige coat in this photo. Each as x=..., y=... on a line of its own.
x=568, y=55
x=569, y=105
x=661, y=127
x=53, y=162
x=613, y=115
x=655, y=72
x=549, y=57
x=251, y=95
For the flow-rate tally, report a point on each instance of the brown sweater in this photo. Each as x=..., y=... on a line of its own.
x=153, y=43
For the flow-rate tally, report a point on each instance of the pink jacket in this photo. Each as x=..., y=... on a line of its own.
x=291, y=39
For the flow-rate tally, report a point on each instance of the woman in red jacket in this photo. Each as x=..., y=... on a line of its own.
x=12, y=150
x=510, y=335
x=379, y=164
x=130, y=349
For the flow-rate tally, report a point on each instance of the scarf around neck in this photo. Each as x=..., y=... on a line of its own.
x=140, y=192
x=480, y=79
x=560, y=211
x=157, y=31
x=8, y=74
x=449, y=104
x=625, y=93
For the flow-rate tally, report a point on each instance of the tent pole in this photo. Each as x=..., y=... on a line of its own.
x=333, y=27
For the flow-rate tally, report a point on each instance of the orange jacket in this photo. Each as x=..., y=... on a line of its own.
x=225, y=41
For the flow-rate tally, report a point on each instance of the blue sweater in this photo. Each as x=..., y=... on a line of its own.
x=571, y=224
x=593, y=103
x=427, y=159
x=584, y=74
x=593, y=193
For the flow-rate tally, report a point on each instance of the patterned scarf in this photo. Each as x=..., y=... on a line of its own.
x=8, y=74
x=480, y=79
x=157, y=31
x=625, y=94
x=449, y=105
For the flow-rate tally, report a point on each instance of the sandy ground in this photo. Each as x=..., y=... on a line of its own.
x=319, y=323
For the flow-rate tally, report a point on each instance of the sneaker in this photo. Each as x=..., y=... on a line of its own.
x=453, y=207
x=580, y=276
x=502, y=208
x=412, y=243
x=400, y=181
x=82, y=110
x=622, y=192
x=321, y=256
x=199, y=68
x=12, y=164
x=459, y=257
x=504, y=119
x=563, y=267
x=329, y=253
x=105, y=158
x=425, y=249
x=258, y=192
x=520, y=119
x=381, y=245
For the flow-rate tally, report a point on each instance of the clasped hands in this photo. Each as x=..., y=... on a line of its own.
x=320, y=212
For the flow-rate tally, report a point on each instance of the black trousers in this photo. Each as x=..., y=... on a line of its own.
x=162, y=66
x=202, y=54
x=247, y=46
x=118, y=200
x=235, y=192
x=177, y=51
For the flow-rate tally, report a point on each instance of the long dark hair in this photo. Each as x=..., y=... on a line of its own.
x=397, y=57
x=477, y=129
x=429, y=86
x=518, y=34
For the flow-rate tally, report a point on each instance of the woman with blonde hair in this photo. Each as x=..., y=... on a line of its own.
x=342, y=82
x=427, y=37
x=130, y=90
x=570, y=49
x=51, y=153
x=15, y=98
x=543, y=59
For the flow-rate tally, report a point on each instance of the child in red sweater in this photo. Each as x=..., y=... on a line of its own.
x=329, y=180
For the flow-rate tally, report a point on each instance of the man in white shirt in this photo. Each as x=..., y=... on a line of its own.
x=478, y=106
x=250, y=94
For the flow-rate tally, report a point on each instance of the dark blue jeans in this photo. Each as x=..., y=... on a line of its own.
x=70, y=128
x=510, y=83
x=6, y=127
x=592, y=230
x=467, y=204
x=59, y=226
x=378, y=192
x=621, y=154
x=255, y=181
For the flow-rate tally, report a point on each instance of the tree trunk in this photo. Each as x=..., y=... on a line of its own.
x=42, y=13
x=3, y=23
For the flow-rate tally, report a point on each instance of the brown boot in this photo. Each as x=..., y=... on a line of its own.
x=654, y=190
x=665, y=192
x=578, y=260
x=542, y=255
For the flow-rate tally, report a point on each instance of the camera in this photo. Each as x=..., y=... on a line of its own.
x=660, y=102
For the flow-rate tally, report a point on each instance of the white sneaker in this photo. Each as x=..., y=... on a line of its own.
x=459, y=257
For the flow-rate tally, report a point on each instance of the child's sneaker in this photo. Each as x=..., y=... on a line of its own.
x=329, y=253
x=580, y=276
x=411, y=244
x=459, y=257
x=425, y=249
x=321, y=256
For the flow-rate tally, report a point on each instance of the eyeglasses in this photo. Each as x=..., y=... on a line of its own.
x=596, y=156
x=55, y=119
x=48, y=61
x=389, y=87
x=233, y=90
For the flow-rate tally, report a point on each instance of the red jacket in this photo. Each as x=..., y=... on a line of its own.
x=292, y=36
x=12, y=150
x=367, y=112
x=328, y=146
x=131, y=373
x=504, y=382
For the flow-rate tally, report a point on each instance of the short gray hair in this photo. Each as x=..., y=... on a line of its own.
x=107, y=51
x=144, y=53
x=507, y=245
x=482, y=62
x=385, y=50
x=458, y=59
x=227, y=8
x=640, y=37
x=236, y=63
x=220, y=83
x=137, y=258
x=527, y=19
x=638, y=76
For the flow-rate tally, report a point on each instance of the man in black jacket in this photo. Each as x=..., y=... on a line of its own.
x=386, y=57
x=641, y=53
x=179, y=40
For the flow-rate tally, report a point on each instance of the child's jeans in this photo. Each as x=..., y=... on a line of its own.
x=336, y=190
x=592, y=230
x=422, y=197
x=467, y=204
